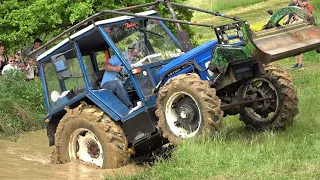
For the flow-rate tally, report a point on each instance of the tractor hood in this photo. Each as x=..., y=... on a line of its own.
x=199, y=54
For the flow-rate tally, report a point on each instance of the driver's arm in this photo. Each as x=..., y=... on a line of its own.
x=109, y=67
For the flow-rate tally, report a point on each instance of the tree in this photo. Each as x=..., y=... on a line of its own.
x=23, y=20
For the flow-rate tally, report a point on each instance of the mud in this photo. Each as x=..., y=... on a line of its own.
x=29, y=159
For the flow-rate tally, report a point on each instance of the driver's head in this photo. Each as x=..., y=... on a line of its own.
x=134, y=52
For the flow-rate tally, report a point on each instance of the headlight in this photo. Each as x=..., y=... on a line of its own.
x=240, y=34
x=225, y=37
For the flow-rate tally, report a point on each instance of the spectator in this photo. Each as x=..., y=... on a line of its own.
x=291, y=16
x=18, y=56
x=19, y=61
x=36, y=44
x=31, y=69
x=10, y=66
x=305, y=5
x=3, y=57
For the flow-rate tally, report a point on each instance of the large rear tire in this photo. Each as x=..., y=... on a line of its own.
x=286, y=103
x=87, y=134
x=186, y=107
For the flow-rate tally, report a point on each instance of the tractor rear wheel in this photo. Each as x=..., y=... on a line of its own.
x=279, y=110
x=87, y=134
x=186, y=107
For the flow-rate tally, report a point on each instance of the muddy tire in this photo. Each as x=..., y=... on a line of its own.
x=87, y=134
x=186, y=107
x=287, y=103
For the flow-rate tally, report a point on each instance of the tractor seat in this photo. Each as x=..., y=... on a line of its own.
x=96, y=79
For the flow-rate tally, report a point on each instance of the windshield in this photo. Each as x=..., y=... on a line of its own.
x=143, y=42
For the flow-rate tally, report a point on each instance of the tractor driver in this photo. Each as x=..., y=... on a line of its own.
x=112, y=67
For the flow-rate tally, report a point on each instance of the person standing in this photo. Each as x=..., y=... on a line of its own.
x=307, y=6
x=291, y=16
x=11, y=65
x=3, y=57
x=36, y=44
x=304, y=5
x=30, y=69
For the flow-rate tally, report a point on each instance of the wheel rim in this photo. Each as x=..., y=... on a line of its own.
x=183, y=115
x=85, y=146
x=266, y=110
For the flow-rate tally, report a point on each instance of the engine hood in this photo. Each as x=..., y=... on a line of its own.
x=192, y=54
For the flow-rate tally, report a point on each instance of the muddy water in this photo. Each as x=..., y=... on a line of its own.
x=29, y=159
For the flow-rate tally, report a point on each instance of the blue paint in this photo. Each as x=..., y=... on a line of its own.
x=82, y=66
x=194, y=53
x=44, y=87
x=112, y=101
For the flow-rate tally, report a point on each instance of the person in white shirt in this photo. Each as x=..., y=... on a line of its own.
x=30, y=69
x=11, y=65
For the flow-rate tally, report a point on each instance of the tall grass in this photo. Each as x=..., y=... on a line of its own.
x=218, y=5
x=21, y=104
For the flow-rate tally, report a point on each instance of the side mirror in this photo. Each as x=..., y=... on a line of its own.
x=61, y=66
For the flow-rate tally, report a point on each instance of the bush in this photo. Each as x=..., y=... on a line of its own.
x=21, y=104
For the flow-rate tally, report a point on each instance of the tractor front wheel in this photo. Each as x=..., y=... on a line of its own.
x=87, y=134
x=187, y=107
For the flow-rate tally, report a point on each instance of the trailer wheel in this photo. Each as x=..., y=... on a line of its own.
x=276, y=113
x=87, y=134
x=187, y=107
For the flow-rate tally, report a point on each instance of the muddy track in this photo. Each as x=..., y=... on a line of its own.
x=29, y=158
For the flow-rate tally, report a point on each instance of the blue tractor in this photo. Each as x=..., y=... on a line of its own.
x=180, y=91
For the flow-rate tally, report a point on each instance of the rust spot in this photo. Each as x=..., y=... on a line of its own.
x=297, y=36
x=313, y=34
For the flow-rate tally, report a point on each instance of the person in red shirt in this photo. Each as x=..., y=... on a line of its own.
x=307, y=6
x=304, y=5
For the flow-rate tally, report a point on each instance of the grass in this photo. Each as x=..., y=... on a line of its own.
x=254, y=14
x=21, y=105
x=235, y=153
x=219, y=5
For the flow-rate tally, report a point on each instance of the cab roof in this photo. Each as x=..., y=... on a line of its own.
x=90, y=27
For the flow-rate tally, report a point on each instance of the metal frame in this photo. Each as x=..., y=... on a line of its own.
x=152, y=5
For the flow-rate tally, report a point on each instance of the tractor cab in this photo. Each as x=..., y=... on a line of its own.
x=73, y=69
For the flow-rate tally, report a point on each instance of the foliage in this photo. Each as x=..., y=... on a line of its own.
x=21, y=104
x=22, y=21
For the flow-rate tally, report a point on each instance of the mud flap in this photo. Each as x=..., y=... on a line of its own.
x=285, y=41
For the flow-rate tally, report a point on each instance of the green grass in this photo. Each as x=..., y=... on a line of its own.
x=219, y=5
x=255, y=14
x=21, y=105
x=236, y=153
